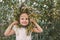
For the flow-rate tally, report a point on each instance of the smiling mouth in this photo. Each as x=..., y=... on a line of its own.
x=24, y=22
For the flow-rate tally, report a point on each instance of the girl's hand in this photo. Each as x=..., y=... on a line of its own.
x=32, y=20
x=15, y=23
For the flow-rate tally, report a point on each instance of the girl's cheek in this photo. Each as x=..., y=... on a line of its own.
x=21, y=21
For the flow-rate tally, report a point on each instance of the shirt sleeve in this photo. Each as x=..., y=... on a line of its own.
x=14, y=28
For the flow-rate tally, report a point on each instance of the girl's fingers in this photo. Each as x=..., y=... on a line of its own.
x=32, y=20
x=15, y=22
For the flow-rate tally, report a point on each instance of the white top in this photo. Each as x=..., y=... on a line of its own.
x=21, y=34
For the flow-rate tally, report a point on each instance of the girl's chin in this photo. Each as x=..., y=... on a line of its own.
x=24, y=25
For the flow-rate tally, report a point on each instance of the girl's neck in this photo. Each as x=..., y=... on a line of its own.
x=23, y=26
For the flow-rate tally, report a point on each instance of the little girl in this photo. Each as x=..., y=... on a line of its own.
x=20, y=27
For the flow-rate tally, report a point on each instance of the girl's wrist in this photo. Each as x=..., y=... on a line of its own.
x=34, y=22
x=12, y=24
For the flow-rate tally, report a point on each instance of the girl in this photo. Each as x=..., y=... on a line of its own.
x=21, y=27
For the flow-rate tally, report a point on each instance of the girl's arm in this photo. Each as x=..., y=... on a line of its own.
x=37, y=28
x=9, y=31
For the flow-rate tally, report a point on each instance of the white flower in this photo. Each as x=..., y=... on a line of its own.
x=45, y=5
x=21, y=0
x=34, y=3
x=0, y=0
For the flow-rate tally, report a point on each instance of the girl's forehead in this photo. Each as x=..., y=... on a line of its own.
x=24, y=15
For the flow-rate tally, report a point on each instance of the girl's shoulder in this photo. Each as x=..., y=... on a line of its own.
x=15, y=27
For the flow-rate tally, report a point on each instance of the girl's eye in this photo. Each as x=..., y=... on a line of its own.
x=22, y=18
x=26, y=18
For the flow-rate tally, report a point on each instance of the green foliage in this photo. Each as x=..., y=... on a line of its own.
x=46, y=13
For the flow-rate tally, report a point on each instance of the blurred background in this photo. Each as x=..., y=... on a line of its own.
x=48, y=18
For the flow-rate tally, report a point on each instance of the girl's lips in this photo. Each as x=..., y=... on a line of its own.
x=24, y=22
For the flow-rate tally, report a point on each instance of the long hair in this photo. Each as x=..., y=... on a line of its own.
x=17, y=17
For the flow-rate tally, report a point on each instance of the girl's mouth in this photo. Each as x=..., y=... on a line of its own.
x=24, y=22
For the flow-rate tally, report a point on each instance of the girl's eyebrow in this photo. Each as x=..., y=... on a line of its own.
x=23, y=17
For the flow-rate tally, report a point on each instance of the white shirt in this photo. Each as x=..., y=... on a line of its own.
x=21, y=34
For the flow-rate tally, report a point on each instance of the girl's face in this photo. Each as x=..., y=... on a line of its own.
x=24, y=19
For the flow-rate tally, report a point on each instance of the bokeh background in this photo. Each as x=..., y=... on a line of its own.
x=48, y=18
